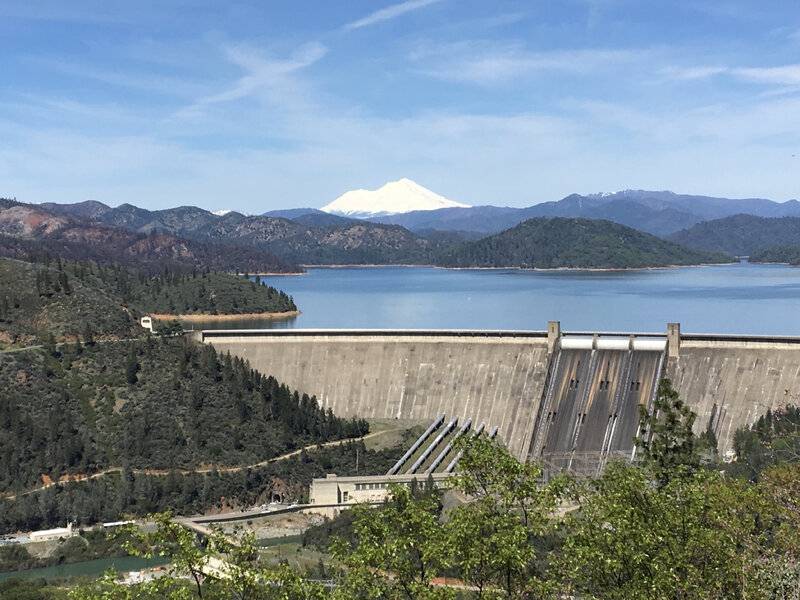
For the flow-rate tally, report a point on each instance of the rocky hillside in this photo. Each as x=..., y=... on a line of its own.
x=29, y=230
x=573, y=243
x=316, y=238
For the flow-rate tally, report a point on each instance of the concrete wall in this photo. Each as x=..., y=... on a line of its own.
x=731, y=382
x=499, y=378
x=496, y=378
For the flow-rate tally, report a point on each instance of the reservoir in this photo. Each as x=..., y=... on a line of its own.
x=739, y=298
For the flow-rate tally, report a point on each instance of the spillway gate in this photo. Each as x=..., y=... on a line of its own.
x=590, y=408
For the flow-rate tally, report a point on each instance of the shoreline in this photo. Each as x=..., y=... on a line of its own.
x=199, y=317
x=591, y=269
x=539, y=269
x=274, y=274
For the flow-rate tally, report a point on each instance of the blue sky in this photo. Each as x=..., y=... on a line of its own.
x=268, y=104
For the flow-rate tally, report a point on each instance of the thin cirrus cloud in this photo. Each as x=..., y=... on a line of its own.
x=261, y=73
x=388, y=13
x=781, y=75
x=472, y=63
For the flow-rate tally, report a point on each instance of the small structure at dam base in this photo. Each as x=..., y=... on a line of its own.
x=362, y=489
x=430, y=460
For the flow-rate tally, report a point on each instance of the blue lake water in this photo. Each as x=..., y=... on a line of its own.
x=741, y=298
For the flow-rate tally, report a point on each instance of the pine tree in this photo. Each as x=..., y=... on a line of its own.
x=132, y=367
x=88, y=336
x=667, y=443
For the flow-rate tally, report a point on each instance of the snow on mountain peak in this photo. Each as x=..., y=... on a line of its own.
x=221, y=213
x=395, y=197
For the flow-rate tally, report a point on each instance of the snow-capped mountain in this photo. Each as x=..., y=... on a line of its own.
x=222, y=212
x=395, y=197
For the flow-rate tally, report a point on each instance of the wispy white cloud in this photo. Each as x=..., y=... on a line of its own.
x=151, y=83
x=689, y=73
x=487, y=64
x=261, y=73
x=781, y=75
x=390, y=12
x=784, y=75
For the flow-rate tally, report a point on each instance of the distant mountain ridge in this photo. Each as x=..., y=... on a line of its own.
x=312, y=237
x=658, y=212
x=28, y=230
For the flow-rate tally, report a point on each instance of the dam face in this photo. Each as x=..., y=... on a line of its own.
x=494, y=378
x=567, y=401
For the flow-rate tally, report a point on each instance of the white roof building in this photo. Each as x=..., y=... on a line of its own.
x=52, y=534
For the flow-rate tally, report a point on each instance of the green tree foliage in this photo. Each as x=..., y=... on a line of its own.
x=73, y=300
x=136, y=493
x=667, y=444
x=207, y=293
x=404, y=538
x=778, y=254
x=621, y=536
x=696, y=536
x=576, y=243
x=773, y=439
x=89, y=545
x=743, y=235
x=188, y=407
x=496, y=537
x=240, y=575
x=132, y=366
x=21, y=589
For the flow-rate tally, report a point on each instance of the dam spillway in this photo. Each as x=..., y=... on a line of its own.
x=569, y=400
x=590, y=409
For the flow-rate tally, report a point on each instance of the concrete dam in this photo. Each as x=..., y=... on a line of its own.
x=567, y=399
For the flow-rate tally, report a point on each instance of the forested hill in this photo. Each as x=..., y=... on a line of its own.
x=741, y=234
x=202, y=293
x=163, y=403
x=778, y=254
x=69, y=300
x=573, y=243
